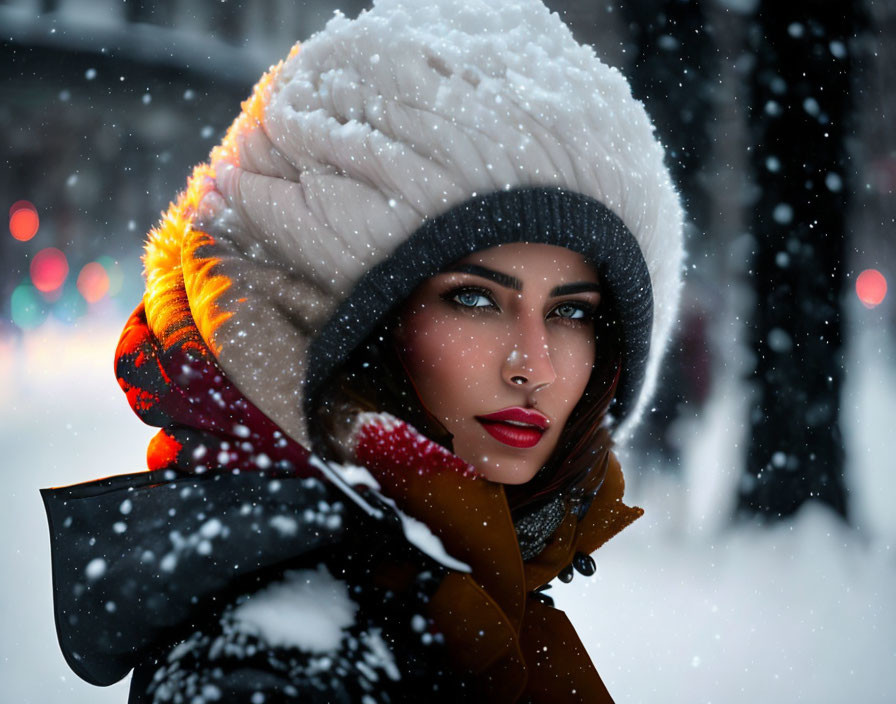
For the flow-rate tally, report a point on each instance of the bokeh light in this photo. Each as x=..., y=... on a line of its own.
x=48, y=269
x=23, y=220
x=27, y=307
x=116, y=275
x=70, y=306
x=93, y=282
x=871, y=288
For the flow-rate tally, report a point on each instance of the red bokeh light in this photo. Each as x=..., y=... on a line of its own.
x=871, y=288
x=93, y=282
x=23, y=220
x=48, y=269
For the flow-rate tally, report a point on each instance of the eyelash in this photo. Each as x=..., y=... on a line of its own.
x=450, y=297
x=586, y=308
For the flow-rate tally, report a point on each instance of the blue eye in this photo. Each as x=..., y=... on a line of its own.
x=573, y=311
x=470, y=298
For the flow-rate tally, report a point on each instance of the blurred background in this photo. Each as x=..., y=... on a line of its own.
x=764, y=568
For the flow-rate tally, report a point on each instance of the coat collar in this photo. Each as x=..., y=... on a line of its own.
x=493, y=627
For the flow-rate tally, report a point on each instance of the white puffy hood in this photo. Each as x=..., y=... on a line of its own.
x=372, y=128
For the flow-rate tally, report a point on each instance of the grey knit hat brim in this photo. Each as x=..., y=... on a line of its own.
x=552, y=216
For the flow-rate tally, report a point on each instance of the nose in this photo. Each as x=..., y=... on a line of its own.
x=528, y=363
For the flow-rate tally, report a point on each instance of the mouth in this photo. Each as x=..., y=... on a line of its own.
x=516, y=427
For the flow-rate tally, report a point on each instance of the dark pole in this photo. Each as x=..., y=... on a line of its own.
x=800, y=120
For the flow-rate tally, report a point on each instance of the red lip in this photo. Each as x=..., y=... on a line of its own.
x=519, y=415
x=511, y=434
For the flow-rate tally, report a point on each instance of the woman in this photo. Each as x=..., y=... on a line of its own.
x=387, y=333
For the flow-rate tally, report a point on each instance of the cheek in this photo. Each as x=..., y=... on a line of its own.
x=445, y=360
x=575, y=363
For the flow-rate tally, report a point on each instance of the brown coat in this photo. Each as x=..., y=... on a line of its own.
x=518, y=648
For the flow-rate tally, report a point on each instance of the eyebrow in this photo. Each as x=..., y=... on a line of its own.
x=504, y=280
x=511, y=282
x=580, y=287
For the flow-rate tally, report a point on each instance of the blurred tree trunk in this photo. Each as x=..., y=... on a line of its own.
x=800, y=119
x=675, y=57
x=674, y=60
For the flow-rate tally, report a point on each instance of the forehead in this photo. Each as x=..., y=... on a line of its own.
x=530, y=260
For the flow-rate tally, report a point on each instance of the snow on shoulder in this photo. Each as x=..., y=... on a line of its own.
x=309, y=610
x=350, y=477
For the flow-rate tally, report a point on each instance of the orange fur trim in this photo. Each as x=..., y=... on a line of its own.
x=168, y=312
x=252, y=113
x=204, y=287
x=173, y=311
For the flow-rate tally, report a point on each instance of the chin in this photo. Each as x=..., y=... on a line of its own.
x=507, y=472
x=499, y=463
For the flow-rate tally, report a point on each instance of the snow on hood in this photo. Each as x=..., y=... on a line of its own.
x=374, y=126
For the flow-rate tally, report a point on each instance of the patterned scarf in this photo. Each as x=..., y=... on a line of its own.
x=206, y=423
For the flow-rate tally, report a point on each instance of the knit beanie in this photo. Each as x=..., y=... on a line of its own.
x=385, y=148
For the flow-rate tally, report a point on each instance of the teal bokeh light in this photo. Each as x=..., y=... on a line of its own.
x=27, y=307
x=70, y=306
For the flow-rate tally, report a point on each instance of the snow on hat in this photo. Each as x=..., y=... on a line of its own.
x=390, y=145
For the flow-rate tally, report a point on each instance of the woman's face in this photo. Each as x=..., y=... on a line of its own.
x=500, y=347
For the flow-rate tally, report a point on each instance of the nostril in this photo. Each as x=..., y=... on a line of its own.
x=518, y=379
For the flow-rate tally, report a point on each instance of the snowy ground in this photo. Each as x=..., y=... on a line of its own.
x=683, y=608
